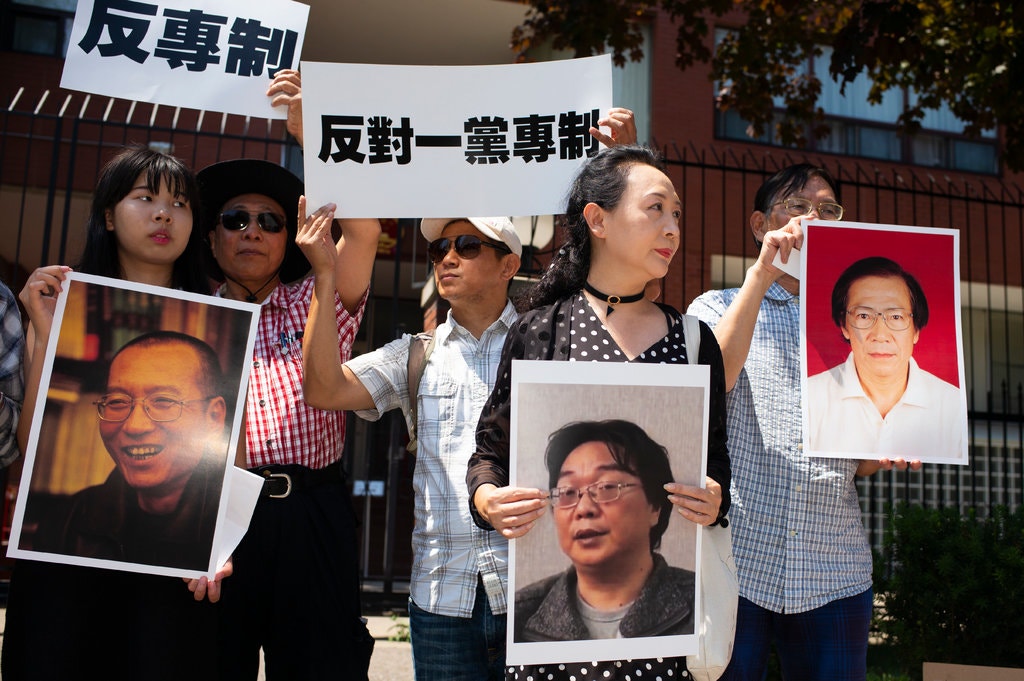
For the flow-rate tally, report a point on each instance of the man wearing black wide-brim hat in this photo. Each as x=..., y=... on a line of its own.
x=295, y=587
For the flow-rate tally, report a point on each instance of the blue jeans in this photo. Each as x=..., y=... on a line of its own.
x=830, y=642
x=458, y=648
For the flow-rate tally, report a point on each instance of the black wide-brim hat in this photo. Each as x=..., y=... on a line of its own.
x=221, y=182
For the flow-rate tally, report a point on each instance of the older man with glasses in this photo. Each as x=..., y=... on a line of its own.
x=803, y=558
x=610, y=512
x=162, y=420
x=879, y=400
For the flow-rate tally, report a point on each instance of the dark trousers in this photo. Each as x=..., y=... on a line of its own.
x=73, y=622
x=458, y=648
x=295, y=591
x=829, y=642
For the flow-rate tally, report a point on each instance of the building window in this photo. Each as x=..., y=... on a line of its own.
x=631, y=88
x=869, y=130
x=631, y=83
x=993, y=339
x=37, y=26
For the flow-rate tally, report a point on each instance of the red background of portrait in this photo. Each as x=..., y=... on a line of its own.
x=930, y=257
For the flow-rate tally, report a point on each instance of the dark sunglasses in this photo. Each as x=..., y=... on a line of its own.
x=237, y=220
x=466, y=246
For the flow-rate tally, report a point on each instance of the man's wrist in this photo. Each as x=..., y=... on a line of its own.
x=761, y=277
x=480, y=499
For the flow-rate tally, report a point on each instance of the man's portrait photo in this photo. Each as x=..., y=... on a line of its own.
x=610, y=511
x=610, y=569
x=884, y=367
x=132, y=450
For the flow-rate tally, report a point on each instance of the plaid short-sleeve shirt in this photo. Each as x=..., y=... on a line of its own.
x=796, y=526
x=12, y=381
x=449, y=551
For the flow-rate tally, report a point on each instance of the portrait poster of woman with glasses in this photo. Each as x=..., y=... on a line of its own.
x=610, y=570
x=882, y=343
x=135, y=428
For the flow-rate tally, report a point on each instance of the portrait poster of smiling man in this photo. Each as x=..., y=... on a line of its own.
x=883, y=360
x=130, y=457
x=610, y=570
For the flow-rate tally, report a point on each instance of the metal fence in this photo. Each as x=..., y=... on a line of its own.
x=52, y=146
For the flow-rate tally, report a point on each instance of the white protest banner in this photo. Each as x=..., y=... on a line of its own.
x=437, y=141
x=215, y=55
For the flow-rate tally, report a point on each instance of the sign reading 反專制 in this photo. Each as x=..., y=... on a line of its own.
x=435, y=141
x=202, y=54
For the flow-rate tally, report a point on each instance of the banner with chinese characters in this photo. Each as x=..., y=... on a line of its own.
x=214, y=55
x=438, y=141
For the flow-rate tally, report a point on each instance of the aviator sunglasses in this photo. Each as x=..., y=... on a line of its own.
x=467, y=247
x=236, y=220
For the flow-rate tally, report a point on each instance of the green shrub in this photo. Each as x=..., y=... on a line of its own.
x=952, y=587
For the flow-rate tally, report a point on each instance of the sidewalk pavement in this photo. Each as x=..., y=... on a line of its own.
x=392, y=660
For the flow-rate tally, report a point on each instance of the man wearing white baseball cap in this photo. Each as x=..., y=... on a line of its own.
x=459, y=576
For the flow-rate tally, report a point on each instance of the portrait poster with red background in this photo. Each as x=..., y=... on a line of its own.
x=932, y=257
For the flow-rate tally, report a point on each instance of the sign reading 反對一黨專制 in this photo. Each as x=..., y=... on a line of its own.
x=436, y=141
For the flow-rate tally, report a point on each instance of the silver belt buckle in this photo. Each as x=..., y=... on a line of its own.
x=288, y=488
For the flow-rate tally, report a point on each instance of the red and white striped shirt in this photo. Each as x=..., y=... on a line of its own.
x=281, y=428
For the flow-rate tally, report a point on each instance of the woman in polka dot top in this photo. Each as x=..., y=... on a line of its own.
x=622, y=231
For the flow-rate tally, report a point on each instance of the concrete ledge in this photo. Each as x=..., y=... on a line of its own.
x=934, y=671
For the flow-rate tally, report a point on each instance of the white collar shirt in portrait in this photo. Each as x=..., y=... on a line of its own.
x=928, y=420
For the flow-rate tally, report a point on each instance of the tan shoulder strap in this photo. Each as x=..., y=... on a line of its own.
x=420, y=347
